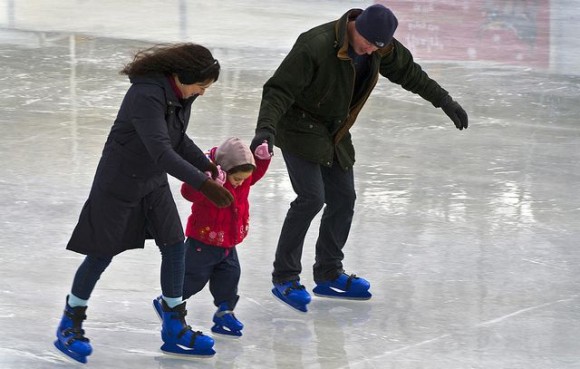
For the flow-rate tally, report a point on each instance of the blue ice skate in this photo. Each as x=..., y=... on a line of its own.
x=70, y=335
x=345, y=286
x=158, y=307
x=292, y=293
x=178, y=337
x=226, y=323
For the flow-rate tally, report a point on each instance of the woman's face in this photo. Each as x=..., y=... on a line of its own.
x=198, y=88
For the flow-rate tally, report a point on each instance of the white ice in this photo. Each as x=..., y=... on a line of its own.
x=469, y=238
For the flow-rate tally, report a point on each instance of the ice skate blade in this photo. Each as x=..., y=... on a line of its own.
x=295, y=307
x=342, y=295
x=178, y=351
x=226, y=333
x=76, y=358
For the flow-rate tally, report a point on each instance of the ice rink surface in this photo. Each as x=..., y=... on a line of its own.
x=469, y=238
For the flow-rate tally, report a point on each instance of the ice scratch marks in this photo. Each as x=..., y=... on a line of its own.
x=549, y=265
x=522, y=311
x=452, y=335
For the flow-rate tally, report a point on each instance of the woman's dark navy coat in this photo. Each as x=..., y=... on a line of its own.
x=130, y=199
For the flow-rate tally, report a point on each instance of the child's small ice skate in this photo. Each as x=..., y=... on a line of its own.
x=178, y=337
x=292, y=293
x=71, y=339
x=344, y=287
x=226, y=323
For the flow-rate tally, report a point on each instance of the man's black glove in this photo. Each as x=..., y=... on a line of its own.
x=263, y=134
x=216, y=193
x=213, y=169
x=455, y=112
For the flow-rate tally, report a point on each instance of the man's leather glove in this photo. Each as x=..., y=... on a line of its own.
x=455, y=112
x=216, y=193
x=263, y=134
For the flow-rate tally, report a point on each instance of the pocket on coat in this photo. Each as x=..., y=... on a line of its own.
x=116, y=178
x=305, y=137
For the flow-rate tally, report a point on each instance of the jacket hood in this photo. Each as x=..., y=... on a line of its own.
x=232, y=153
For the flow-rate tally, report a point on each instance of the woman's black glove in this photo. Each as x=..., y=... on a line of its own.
x=455, y=112
x=217, y=194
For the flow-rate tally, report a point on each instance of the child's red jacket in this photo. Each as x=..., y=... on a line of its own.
x=222, y=227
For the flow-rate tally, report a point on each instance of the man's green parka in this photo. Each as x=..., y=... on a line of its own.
x=308, y=102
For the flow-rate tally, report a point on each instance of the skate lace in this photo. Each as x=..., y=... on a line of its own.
x=222, y=313
x=75, y=332
x=349, y=280
x=295, y=286
x=186, y=328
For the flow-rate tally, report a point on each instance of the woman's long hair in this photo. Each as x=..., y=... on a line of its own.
x=191, y=62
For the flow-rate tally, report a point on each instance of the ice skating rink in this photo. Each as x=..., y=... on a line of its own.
x=469, y=238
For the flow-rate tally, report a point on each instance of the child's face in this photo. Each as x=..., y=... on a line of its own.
x=238, y=178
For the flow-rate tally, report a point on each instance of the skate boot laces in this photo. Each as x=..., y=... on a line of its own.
x=294, y=286
x=75, y=331
x=349, y=280
x=180, y=315
x=222, y=313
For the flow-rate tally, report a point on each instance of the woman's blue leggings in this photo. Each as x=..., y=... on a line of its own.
x=172, y=271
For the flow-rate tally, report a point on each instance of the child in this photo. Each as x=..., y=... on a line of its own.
x=213, y=233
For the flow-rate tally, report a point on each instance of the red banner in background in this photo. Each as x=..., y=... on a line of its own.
x=504, y=31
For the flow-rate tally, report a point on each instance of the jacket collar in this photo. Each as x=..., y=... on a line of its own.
x=162, y=81
x=341, y=38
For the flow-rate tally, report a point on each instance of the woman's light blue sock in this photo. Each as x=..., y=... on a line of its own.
x=74, y=301
x=173, y=301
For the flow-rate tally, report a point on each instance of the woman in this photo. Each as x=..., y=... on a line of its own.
x=130, y=199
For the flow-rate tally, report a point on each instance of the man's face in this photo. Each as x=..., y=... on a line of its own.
x=361, y=45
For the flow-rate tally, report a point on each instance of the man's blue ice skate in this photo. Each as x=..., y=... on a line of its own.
x=292, y=293
x=345, y=286
x=226, y=323
x=178, y=337
x=71, y=339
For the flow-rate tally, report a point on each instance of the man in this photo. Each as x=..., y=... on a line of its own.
x=308, y=107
